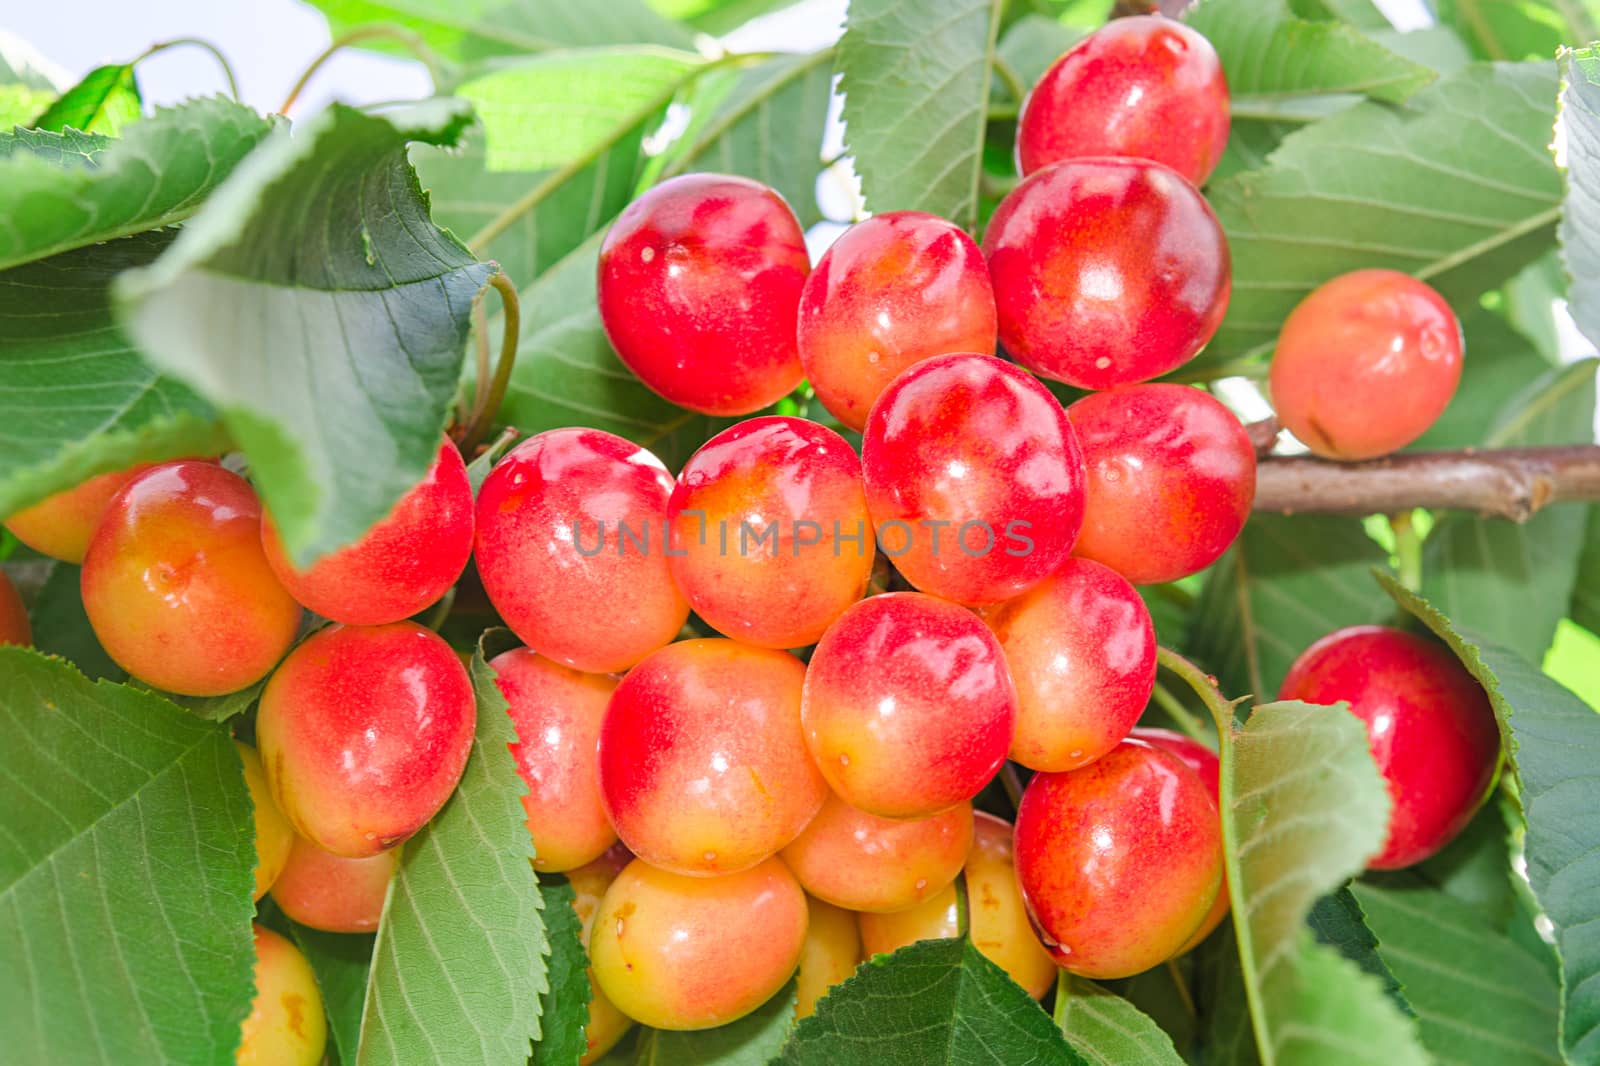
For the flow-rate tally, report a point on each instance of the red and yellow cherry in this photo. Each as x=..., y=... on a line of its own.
x=177, y=587
x=974, y=478
x=274, y=835
x=699, y=290
x=1147, y=87
x=678, y=952
x=14, y=627
x=62, y=525
x=1106, y=271
x=331, y=892
x=893, y=290
x=364, y=732
x=286, y=1025
x=831, y=953
x=1119, y=861
x=605, y=1025
x=1430, y=726
x=1082, y=652
x=771, y=539
x=861, y=862
x=703, y=767
x=399, y=566
x=557, y=713
x=570, y=549
x=1365, y=364
x=1203, y=761
x=908, y=706
x=1172, y=475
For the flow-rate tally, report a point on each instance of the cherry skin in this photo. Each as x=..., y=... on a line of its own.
x=274, y=835
x=1172, y=475
x=908, y=706
x=1431, y=728
x=14, y=627
x=893, y=290
x=401, y=565
x=1082, y=651
x=861, y=862
x=286, y=1025
x=557, y=713
x=556, y=560
x=1366, y=364
x=1119, y=861
x=771, y=539
x=679, y=952
x=1146, y=86
x=62, y=525
x=364, y=732
x=831, y=953
x=176, y=585
x=703, y=767
x=330, y=892
x=1203, y=761
x=1106, y=271
x=606, y=1025
x=699, y=290
x=974, y=478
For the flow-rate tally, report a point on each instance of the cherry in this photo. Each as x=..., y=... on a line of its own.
x=1172, y=475
x=1431, y=728
x=401, y=565
x=1119, y=861
x=1082, y=651
x=330, y=892
x=1203, y=761
x=893, y=290
x=14, y=627
x=861, y=862
x=364, y=732
x=1106, y=271
x=557, y=713
x=62, y=525
x=678, y=952
x=1365, y=364
x=605, y=1025
x=699, y=289
x=286, y=1025
x=571, y=530
x=274, y=836
x=771, y=539
x=974, y=478
x=908, y=706
x=831, y=953
x=702, y=764
x=176, y=585
x=1145, y=86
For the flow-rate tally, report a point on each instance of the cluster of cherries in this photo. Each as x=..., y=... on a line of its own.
x=730, y=812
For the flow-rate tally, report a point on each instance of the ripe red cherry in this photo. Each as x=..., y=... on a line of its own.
x=1082, y=651
x=1172, y=475
x=401, y=565
x=1119, y=861
x=333, y=893
x=974, y=478
x=771, y=539
x=699, y=291
x=1146, y=86
x=62, y=525
x=1203, y=761
x=893, y=290
x=14, y=627
x=571, y=549
x=861, y=862
x=908, y=706
x=1430, y=726
x=1366, y=364
x=1106, y=271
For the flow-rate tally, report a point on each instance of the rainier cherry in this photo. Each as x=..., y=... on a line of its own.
x=1203, y=761
x=330, y=892
x=14, y=627
x=286, y=1025
x=606, y=1024
x=831, y=953
x=1366, y=364
x=62, y=525
x=699, y=291
x=893, y=290
x=274, y=835
x=1430, y=726
x=862, y=862
x=1106, y=271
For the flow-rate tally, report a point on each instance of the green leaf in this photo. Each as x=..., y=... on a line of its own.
x=1586, y=590
x=1165, y=995
x=1220, y=1000
x=1362, y=14
x=1553, y=744
x=125, y=874
x=53, y=200
x=1455, y=186
x=76, y=398
x=1337, y=921
x=1506, y=29
x=933, y=1002
x=1107, y=1030
x=459, y=965
x=317, y=307
x=1580, y=211
x=1480, y=998
x=61, y=626
x=342, y=962
x=18, y=104
x=1499, y=362
x=105, y=101
x=753, y=1040
x=477, y=29
x=916, y=79
x=1032, y=44
x=1474, y=868
x=564, y=1007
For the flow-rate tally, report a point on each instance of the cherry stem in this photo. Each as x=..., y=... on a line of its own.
x=1180, y=715
x=408, y=40
x=483, y=412
x=195, y=42
x=963, y=907
x=1063, y=997
x=1204, y=685
x=1407, y=550
x=1011, y=781
x=1182, y=986
x=441, y=610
